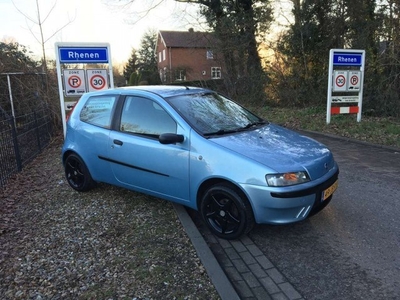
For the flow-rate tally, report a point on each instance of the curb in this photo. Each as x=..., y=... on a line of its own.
x=222, y=284
x=238, y=268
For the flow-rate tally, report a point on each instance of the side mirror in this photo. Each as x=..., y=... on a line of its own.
x=171, y=138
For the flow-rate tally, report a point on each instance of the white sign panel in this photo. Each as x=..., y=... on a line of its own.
x=74, y=82
x=346, y=75
x=97, y=80
x=354, y=83
x=340, y=81
x=336, y=99
x=69, y=105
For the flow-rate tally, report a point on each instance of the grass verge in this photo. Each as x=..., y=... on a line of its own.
x=376, y=130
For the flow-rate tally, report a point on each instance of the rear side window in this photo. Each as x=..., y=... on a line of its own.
x=98, y=110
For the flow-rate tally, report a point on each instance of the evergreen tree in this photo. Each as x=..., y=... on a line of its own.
x=132, y=65
x=362, y=25
x=147, y=58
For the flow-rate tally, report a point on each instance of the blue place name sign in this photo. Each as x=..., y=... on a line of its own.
x=83, y=55
x=347, y=59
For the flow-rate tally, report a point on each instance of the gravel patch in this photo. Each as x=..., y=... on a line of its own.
x=109, y=243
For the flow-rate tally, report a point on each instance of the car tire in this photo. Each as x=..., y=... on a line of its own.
x=226, y=211
x=77, y=174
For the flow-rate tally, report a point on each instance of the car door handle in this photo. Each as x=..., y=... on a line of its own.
x=118, y=142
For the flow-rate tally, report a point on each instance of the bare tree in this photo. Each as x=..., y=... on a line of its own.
x=39, y=21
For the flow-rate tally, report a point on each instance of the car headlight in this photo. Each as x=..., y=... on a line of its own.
x=285, y=179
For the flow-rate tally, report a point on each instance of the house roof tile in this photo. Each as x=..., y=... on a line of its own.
x=188, y=39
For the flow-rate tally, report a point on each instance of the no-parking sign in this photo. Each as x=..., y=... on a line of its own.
x=97, y=79
x=74, y=82
x=354, y=81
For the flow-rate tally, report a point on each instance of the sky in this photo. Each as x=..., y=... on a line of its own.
x=91, y=21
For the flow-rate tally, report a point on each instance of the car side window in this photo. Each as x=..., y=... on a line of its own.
x=98, y=111
x=144, y=116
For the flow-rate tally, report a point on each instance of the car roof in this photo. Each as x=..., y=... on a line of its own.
x=165, y=90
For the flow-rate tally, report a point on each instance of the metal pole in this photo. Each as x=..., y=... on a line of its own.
x=110, y=68
x=60, y=89
x=360, y=93
x=11, y=100
x=329, y=92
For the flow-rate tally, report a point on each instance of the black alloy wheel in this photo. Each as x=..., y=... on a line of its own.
x=77, y=174
x=226, y=211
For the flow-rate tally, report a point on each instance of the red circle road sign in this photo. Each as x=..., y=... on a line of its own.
x=340, y=80
x=354, y=80
x=97, y=82
x=74, y=81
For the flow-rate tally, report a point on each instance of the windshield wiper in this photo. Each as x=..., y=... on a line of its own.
x=244, y=128
x=221, y=132
x=254, y=124
x=262, y=122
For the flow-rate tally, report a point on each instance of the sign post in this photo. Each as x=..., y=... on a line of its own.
x=77, y=81
x=345, y=82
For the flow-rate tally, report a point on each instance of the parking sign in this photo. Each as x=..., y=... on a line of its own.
x=74, y=82
x=354, y=80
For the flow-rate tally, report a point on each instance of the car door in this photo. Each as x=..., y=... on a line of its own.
x=138, y=160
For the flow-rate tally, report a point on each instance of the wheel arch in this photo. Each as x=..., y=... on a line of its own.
x=213, y=181
x=68, y=153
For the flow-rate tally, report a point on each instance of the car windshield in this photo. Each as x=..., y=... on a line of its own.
x=213, y=114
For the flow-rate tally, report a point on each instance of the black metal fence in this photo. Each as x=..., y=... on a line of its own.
x=26, y=120
x=22, y=138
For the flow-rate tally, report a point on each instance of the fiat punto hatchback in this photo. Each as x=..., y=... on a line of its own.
x=198, y=148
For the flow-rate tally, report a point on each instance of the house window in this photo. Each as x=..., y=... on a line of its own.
x=165, y=74
x=180, y=74
x=159, y=57
x=215, y=72
x=210, y=54
x=163, y=54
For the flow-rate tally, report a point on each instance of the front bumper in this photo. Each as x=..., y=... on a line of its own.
x=283, y=206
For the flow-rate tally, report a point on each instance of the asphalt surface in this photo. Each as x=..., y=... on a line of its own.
x=350, y=250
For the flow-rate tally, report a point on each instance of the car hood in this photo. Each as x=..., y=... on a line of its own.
x=280, y=149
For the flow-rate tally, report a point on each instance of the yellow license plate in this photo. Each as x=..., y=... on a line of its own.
x=330, y=190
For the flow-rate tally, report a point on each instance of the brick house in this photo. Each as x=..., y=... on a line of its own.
x=187, y=56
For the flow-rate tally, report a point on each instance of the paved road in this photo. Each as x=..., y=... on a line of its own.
x=350, y=250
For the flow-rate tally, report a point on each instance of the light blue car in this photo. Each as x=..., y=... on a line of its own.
x=198, y=148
